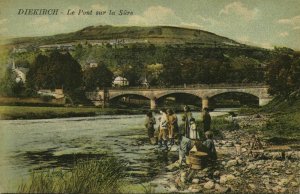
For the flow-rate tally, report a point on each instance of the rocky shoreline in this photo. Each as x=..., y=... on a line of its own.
x=270, y=171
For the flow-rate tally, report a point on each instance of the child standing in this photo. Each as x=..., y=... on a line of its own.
x=193, y=129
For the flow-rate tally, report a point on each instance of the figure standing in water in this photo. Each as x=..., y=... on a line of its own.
x=163, y=129
x=149, y=124
x=173, y=125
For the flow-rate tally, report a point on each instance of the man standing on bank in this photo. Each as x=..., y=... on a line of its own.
x=206, y=119
x=186, y=117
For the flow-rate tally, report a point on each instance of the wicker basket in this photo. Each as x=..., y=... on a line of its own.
x=198, y=160
x=187, y=160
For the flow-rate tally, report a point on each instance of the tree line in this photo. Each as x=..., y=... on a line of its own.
x=166, y=66
x=283, y=73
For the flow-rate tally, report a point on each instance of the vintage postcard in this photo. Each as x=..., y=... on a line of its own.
x=149, y=96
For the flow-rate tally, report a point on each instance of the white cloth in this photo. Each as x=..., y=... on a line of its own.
x=193, y=131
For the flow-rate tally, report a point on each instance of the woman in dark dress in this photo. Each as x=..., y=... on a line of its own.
x=149, y=124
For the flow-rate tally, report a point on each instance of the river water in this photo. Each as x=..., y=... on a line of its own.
x=27, y=145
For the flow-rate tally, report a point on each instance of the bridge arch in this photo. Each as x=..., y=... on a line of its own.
x=231, y=97
x=118, y=95
x=127, y=94
x=132, y=99
x=178, y=98
x=251, y=91
x=177, y=92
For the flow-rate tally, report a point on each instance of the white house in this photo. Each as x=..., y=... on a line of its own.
x=93, y=64
x=56, y=93
x=20, y=72
x=120, y=81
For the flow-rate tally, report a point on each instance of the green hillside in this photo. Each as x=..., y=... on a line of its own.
x=154, y=35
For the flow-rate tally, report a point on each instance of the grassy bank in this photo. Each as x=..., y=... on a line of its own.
x=27, y=112
x=284, y=124
x=282, y=127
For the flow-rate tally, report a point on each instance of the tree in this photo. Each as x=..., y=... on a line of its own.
x=189, y=71
x=55, y=71
x=79, y=52
x=153, y=72
x=283, y=72
x=131, y=72
x=97, y=77
x=248, y=69
x=171, y=74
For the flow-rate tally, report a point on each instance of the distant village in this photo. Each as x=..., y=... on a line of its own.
x=121, y=43
x=113, y=43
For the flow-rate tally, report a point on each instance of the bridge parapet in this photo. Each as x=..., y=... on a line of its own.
x=194, y=86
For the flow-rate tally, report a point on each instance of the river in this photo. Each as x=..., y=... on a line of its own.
x=26, y=145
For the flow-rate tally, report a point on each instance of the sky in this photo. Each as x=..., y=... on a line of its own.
x=264, y=23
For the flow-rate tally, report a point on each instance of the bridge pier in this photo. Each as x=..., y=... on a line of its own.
x=264, y=101
x=204, y=102
x=153, y=104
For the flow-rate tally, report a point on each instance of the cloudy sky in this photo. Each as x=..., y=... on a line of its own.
x=265, y=23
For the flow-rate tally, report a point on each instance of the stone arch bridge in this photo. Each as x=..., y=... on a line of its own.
x=204, y=92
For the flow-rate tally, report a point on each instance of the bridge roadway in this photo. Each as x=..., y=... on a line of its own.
x=204, y=92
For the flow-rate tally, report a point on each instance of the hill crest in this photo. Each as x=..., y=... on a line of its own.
x=151, y=35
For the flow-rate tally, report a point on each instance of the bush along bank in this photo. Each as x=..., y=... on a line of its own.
x=27, y=112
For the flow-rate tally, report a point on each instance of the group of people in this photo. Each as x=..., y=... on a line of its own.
x=167, y=127
x=190, y=128
x=168, y=130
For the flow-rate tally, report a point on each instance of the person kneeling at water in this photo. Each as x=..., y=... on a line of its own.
x=210, y=146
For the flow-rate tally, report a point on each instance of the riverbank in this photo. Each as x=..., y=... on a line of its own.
x=279, y=121
x=30, y=112
x=274, y=169
x=234, y=173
